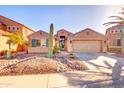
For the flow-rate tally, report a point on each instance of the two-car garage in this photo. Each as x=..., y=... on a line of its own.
x=87, y=46
x=88, y=41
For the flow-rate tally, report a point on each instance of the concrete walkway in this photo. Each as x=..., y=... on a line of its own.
x=35, y=81
x=75, y=79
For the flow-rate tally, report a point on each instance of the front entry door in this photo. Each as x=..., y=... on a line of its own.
x=62, y=42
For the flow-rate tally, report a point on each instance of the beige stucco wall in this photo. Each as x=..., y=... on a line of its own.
x=104, y=46
x=26, y=32
x=69, y=47
x=4, y=46
x=42, y=49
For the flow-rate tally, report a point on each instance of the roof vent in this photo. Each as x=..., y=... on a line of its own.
x=87, y=33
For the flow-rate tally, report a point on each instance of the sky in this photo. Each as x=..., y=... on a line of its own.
x=71, y=18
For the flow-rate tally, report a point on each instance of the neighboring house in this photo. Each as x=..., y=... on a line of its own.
x=89, y=40
x=13, y=26
x=8, y=26
x=38, y=42
x=4, y=36
x=113, y=35
x=3, y=39
x=64, y=37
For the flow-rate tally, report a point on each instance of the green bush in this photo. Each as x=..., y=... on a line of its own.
x=57, y=49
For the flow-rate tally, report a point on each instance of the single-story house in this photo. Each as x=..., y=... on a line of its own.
x=86, y=40
x=38, y=42
x=89, y=40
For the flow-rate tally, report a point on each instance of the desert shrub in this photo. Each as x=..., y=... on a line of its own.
x=57, y=49
x=60, y=47
x=72, y=56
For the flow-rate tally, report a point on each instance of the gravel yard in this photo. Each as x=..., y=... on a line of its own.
x=43, y=65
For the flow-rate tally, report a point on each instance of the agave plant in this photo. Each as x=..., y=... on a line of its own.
x=118, y=21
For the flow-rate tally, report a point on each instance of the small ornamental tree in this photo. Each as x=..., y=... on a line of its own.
x=50, y=41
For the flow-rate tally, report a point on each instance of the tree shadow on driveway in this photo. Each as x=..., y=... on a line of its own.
x=107, y=75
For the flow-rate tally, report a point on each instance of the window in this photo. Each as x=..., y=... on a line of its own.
x=112, y=31
x=40, y=33
x=35, y=42
x=87, y=33
x=46, y=42
x=17, y=28
x=13, y=28
x=117, y=42
x=9, y=28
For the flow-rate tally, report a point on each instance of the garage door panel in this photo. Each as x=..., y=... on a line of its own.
x=87, y=46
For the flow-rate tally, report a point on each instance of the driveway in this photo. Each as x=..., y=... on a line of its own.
x=105, y=64
x=100, y=60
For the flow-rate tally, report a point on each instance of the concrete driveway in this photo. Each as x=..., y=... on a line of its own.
x=100, y=60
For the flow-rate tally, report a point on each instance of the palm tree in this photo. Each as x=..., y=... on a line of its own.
x=118, y=21
x=16, y=38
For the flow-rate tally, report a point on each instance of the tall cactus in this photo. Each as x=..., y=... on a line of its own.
x=50, y=41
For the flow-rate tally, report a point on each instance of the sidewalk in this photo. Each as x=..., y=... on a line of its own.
x=76, y=79
x=34, y=81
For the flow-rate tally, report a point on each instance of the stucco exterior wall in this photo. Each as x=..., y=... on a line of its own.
x=4, y=46
x=26, y=32
x=113, y=33
x=42, y=49
x=13, y=26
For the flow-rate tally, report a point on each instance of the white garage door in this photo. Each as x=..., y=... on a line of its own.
x=87, y=46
